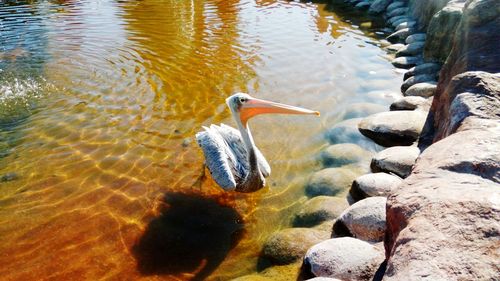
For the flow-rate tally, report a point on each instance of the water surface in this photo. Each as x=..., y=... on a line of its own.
x=99, y=104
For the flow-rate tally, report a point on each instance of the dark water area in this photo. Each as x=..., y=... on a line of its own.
x=101, y=178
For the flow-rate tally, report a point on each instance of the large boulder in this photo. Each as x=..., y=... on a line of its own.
x=451, y=203
x=330, y=181
x=289, y=245
x=344, y=258
x=319, y=209
x=376, y=184
x=441, y=31
x=364, y=219
x=394, y=127
x=344, y=153
x=397, y=159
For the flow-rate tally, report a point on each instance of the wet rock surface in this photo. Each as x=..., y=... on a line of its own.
x=398, y=160
x=289, y=245
x=393, y=128
x=406, y=62
x=342, y=154
x=319, y=209
x=330, y=181
x=425, y=89
x=344, y=258
x=411, y=103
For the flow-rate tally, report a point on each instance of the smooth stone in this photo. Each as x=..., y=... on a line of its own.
x=395, y=47
x=422, y=78
x=378, y=6
x=406, y=24
x=426, y=89
x=412, y=49
x=398, y=19
x=365, y=219
x=406, y=62
x=330, y=181
x=347, y=132
x=395, y=5
x=344, y=258
x=289, y=245
x=9, y=177
x=357, y=110
x=416, y=37
x=425, y=68
x=399, y=35
x=343, y=154
x=394, y=127
x=411, y=103
x=397, y=12
x=363, y=5
x=397, y=159
x=318, y=210
x=376, y=184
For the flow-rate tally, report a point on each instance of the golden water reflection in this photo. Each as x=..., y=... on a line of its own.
x=108, y=174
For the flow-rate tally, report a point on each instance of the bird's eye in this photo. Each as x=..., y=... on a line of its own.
x=242, y=100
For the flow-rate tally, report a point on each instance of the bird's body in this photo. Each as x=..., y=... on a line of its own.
x=231, y=156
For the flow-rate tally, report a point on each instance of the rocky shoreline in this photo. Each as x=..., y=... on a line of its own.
x=430, y=209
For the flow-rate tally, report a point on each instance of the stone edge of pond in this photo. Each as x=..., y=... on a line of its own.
x=433, y=196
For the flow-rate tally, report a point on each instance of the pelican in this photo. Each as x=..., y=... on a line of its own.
x=231, y=156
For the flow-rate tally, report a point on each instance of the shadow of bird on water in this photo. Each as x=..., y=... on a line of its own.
x=191, y=237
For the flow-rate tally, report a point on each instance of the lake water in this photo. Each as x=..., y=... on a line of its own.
x=100, y=176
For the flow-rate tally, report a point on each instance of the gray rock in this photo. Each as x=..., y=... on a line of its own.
x=370, y=185
x=344, y=153
x=9, y=177
x=356, y=110
x=406, y=62
x=426, y=89
x=319, y=209
x=347, y=132
x=330, y=181
x=344, y=258
x=378, y=6
x=441, y=31
x=400, y=35
x=289, y=245
x=421, y=78
x=406, y=24
x=411, y=103
x=365, y=219
x=425, y=68
x=412, y=49
x=395, y=47
x=364, y=5
x=397, y=159
x=392, y=21
x=417, y=37
x=395, y=5
x=397, y=12
x=394, y=127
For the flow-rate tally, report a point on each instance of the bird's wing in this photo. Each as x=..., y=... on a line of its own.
x=219, y=158
x=233, y=136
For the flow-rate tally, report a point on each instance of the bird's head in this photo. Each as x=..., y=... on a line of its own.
x=244, y=107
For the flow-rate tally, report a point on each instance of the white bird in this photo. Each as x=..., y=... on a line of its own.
x=231, y=156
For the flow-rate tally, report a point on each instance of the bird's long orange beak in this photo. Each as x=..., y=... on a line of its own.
x=254, y=107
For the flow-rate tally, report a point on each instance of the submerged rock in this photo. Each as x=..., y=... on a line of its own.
x=370, y=185
x=9, y=177
x=398, y=160
x=425, y=89
x=344, y=258
x=365, y=219
x=344, y=153
x=356, y=110
x=319, y=209
x=289, y=245
x=411, y=103
x=330, y=181
x=347, y=132
x=394, y=127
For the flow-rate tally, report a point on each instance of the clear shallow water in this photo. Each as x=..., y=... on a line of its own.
x=99, y=104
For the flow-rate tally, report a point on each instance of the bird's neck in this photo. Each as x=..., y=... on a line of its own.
x=254, y=179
